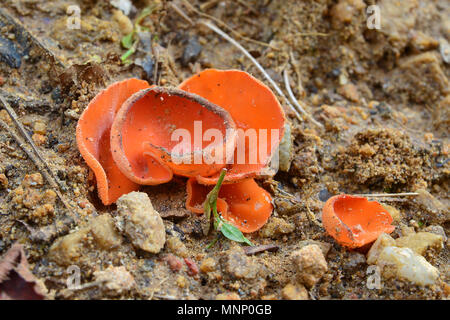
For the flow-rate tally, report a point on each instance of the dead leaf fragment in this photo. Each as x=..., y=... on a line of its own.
x=16, y=280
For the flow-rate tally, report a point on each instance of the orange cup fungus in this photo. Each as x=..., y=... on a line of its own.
x=255, y=110
x=141, y=135
x=354, y=221
x=93, y=138
x=244, y=204
x=126, y=135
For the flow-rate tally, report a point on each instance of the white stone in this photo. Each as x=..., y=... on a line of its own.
x=405, y=264
x=141, y=222
x=383, y=240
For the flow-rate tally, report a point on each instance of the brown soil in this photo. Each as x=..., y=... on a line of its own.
x=381, y=95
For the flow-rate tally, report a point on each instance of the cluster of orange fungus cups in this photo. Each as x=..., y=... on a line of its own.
x=354, y=221
x=127, y=137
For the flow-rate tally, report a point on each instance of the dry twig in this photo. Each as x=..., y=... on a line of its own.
x=295, y=64
x=157, y=287
x=22, y=130
x=382, y=195
x=33, y=154
x=296, y=103
x=181, y=13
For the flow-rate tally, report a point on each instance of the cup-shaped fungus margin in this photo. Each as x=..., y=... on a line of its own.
x=145, y=136
x=93, y=138
x=244, y=204
x=354, y=221
x=256, y=112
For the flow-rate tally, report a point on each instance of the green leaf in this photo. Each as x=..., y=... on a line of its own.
x=227, y=229
x=127, y=54
x=233, y=233
x=127, y=41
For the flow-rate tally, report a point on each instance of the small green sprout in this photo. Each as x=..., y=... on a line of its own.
x=131, y=40
x=227, y=229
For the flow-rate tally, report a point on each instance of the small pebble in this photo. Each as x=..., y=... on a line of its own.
x=141, y=222
x=238, y=265
x=294, y=292
x=310, y=264
x=4, y=116
x=174, y=263
x=33, y=180
x=324, y=195
x=228, y=296
x=181, y=281
x=177, y=247
x=276, y=227
x=383, y=240
x=39, y=139
x=116, y=279
x=208, y=265
x=349, y=91
x=125, y=24
x=39, y=127
x=436, y=230
x=3, y=181
x=420, y=242
x=104, y=232
x=192, y=266
x=405, y=264
x=191, y=51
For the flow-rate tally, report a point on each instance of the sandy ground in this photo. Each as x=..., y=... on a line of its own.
x=382, y=97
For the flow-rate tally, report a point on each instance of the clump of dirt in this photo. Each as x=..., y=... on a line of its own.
x=384, y=159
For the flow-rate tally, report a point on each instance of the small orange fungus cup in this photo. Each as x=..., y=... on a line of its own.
x=256, y=112
x=244, y=204
x=354, y=221
x=93, y=138
x=147, y=147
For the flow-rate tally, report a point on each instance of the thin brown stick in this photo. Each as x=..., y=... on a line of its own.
x=245, y=4
x=208, y=5
x=296, y=66
x=22, y=130
x=181, y=13
x=158, y=286
x=36, y=162
x=261, y=248
x=34, y=155
x=300, y=33
x=312, y=217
